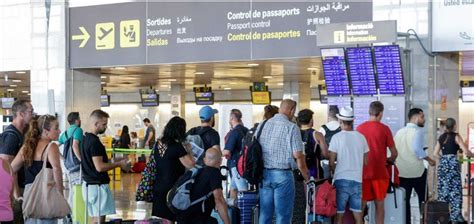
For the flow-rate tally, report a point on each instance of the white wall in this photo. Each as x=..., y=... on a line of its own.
x=15, y=38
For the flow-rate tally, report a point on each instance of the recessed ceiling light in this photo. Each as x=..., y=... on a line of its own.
x=102, y=83
x=10, y=90
x=268, y=77
x=199, y=73
x=20, y=72
x=172, y=80
x=16, y=80
x=13, y=86
x=313, y=69
x=253, y=64
x=280, y=84
x=233, y=83
x=119, y=68
x=24, y=91
x=164, y=86
x=227, y=88
x=29, y=94
x=103, y=77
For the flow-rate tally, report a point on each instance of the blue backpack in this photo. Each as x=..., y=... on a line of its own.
x=71, y=162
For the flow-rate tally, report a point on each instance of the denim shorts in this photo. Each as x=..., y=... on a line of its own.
x=348, y=191
x=237, y=182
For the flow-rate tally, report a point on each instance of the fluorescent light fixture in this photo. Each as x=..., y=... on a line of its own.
x=29, y=94
x=280, y=84
x=227, y=88
x=103, y=77
x=268, y=77
x=21, y=72
x=313, y=69
x=102, y=83
x=164, y=86
x=10, y=90
x=119, y=68
x=13, y=86
x=24, y=91
x=199, y=73
x=172, y=80
x=253, y=64
x=16, y=80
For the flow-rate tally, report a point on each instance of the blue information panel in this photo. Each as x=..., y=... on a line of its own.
x=335, y=71
x=361, y=70
x=389, y=69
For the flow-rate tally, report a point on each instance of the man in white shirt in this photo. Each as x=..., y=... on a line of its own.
x=328, y=130
x=350, y=149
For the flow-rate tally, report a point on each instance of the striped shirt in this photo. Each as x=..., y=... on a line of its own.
x=279, y=139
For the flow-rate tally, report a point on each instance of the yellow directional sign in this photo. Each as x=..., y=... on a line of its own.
x=129, y=33
x=104, y=36
x=84, y=37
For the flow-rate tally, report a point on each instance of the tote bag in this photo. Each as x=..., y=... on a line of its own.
x=145, y=187
x=43, y=200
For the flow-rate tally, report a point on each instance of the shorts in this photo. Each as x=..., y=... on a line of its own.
x=348, y=191
x=237, y=182
x=107, y=203
x=374, y=189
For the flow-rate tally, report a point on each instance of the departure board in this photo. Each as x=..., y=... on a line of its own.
x=389, y=69
x=335, y=71
x=361, y=70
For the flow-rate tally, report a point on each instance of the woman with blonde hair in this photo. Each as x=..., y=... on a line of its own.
x=41, y=134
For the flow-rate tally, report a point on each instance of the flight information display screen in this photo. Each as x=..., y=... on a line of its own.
x=335, y=71
x=361, y=70
x=389, y=69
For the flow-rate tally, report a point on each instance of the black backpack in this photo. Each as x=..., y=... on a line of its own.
x=250, y=161
x=309, y=147
x=71, y=162
x=329, y=133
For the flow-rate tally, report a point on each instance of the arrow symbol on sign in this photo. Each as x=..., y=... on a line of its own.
x=84, y=36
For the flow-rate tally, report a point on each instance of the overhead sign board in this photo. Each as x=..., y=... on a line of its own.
x=151, y=32
x=353, y=33
x=453, y=25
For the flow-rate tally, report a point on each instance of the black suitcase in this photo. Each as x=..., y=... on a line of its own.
x=436, y=212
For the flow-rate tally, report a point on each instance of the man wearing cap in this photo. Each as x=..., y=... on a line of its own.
x=350, y=149
x=209, y=136
x=375, y=177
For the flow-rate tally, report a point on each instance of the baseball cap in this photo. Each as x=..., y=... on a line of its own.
x=206, y=113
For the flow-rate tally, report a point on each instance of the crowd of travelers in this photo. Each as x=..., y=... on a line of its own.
x=293, y=153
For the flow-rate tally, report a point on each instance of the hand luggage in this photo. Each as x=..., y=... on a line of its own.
x=246, y=202
x=310, y=216
x=435, y=211
x=394, y=204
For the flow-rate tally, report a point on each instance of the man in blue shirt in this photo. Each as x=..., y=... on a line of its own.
x=75, y=196
x=233, y=145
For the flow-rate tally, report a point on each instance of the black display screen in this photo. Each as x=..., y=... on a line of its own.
x=335, y=71
x=361, y=71
x=389, y=69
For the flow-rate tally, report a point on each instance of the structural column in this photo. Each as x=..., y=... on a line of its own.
x=299, y=92
x=178, y=100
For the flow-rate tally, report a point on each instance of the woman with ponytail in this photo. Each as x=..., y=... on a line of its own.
x=449, y=170
x=39, y=137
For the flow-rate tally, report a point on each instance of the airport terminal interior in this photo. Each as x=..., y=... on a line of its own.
x=137, y=59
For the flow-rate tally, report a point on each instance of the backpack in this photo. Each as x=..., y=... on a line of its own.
x=329, y=133
x=178, y=198
x=10, y=131
x=309, y=147
x=71, y=162
x=325, y=200
x=250, y=161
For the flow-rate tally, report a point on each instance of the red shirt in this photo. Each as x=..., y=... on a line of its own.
x=379, y=138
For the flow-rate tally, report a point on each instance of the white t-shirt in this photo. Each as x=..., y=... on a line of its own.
x=332, y=125
x=350, y=147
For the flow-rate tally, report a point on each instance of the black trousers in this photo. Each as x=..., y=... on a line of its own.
x=419, y=185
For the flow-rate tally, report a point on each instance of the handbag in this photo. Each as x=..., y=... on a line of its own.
x=145, y=187
x=43, y=200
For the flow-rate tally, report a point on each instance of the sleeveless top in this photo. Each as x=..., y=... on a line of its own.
x=6, y=186
x=448, y=143
x=35, y=168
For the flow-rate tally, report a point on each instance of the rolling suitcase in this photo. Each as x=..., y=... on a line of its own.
x=310, y=216
x=246, y=202
x=394, y=204
x=435, y=211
